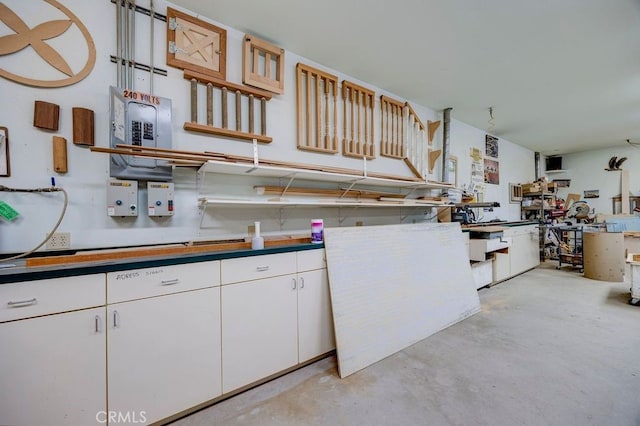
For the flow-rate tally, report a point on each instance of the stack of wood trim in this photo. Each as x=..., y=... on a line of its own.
x=193, y=158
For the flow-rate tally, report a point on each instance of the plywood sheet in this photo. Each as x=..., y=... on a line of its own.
x=603, y=255
x=394, y=285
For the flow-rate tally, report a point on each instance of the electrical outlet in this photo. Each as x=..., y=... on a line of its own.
x=59, y=241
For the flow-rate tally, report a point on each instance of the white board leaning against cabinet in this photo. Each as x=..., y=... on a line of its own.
x=394, y=285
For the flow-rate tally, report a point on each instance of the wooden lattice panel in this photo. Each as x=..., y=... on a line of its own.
x=392, y=128
x=196, y=45
x=228, y=93
x=416, y=143
x=262, y=64
x=357, y=121
x=317, y=94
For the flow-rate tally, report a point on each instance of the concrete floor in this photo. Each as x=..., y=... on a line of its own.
x=548, y=348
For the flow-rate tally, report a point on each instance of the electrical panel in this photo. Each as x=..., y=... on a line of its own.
x=143, y=120
x=122, y=198
x=160, y=198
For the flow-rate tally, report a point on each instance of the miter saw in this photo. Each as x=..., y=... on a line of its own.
x=579, y=210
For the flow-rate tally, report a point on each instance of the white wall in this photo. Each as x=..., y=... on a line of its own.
x=86, y=218
x=587, y=171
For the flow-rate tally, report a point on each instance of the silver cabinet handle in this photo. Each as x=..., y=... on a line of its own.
x=294, y=283
x=21, y=303
x=262, y=268
x=98, y=324
x=170, y=282
x=116, y=319
x=301, y=282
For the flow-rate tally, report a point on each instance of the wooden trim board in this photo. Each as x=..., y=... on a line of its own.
x=167, y=250
x=392, y=286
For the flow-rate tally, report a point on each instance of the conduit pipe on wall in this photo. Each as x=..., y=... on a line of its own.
x=446, y=132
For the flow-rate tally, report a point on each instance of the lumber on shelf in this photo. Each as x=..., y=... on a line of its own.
x=179, y=155
x=326, y=192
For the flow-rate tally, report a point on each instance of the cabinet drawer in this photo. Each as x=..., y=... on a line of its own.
x=43, y=297
x=479, y=248
x=149, y=282
x=309, y=260
x=257, y=267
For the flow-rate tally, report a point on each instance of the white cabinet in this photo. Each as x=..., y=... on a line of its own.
x=315, y=321
x=525, y=249
x=52, y=351
x=164, y=348
x=52, y=369
x=164, y=353
x=259, y=329
x=271, y=324
x=523, y=253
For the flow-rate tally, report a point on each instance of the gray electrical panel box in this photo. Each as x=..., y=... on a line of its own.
x=143, y=120
x=122, y=198
x=160, y=198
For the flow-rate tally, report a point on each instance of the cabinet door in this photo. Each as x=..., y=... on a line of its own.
x=525, y=252
x=164, y=353
x=501, y=266
x=259, y=330
x=52, y=369
x=315, y=320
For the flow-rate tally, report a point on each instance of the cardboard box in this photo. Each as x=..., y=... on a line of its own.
x=532, y=187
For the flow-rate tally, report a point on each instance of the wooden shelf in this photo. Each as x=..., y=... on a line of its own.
x=539, y=194
x=535, y=208
x=222, y=167
x=226, y=202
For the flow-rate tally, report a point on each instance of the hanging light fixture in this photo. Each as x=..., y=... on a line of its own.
x=490, y=123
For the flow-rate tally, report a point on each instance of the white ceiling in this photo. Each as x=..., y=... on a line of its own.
x=561, y=75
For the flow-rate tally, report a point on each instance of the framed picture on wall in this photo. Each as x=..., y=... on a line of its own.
x=491, y=146
x=491, y=171
x=452, y=169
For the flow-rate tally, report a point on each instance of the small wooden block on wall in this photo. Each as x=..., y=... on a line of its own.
x=46, y=115
x=83, y=127
x=262, y=64
x=60, y=154
x=193, y=44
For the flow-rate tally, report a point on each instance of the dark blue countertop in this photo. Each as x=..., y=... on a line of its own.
x=19, y=272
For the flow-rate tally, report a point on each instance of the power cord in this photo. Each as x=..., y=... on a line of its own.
x=39, y=190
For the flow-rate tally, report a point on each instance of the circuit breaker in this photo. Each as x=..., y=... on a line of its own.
x=122, y=198
x=143, y=120
x=160, y=198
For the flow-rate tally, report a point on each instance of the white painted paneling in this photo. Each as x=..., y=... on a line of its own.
x=392, y=286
